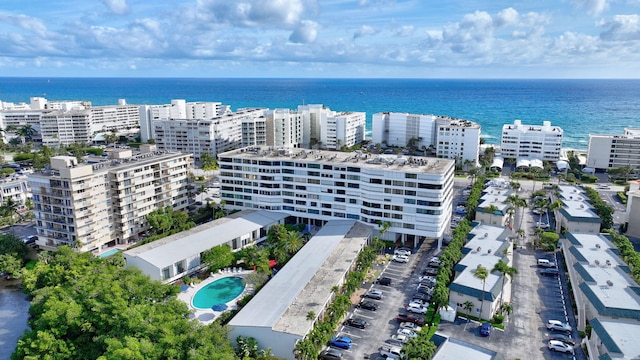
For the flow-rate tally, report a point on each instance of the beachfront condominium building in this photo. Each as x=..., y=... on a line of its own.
x=199, y=136
x=411, y=194
x=312, y=115
x=342, y=129
x=633, y=209
x=614, y=151
x=284, y=128
x=93, y=205
x=446, y=137
x=178, y=109
x=531, y=141
x=66, y=122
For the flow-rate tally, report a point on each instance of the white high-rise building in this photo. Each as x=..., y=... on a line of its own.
x=312, y=116
x=284, y=128
x=91, y=206
x=412, y=194
x=199, y=136
x=340, y=129
x=448, y=137
x=531, y=141
x=614, y=151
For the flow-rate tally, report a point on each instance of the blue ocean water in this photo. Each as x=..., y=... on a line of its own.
x=580, y=107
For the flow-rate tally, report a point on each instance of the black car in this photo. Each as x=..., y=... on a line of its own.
x=421, y=296
x=549, y=272
x=430, y=271
x=368, y=305
x=562, y=337
x=384, y=281
x=356, y=323
x=330, y=354
x=412, y=318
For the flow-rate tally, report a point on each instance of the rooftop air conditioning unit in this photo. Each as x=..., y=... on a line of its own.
x=486, y=234
x=609, y=282
x=478, y=249
x=608, y=262
x=597, y=262
x=489, y=251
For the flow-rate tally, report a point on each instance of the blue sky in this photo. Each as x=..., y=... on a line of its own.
x=321, y=38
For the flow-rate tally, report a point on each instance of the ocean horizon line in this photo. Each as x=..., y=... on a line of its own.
x=317, y=78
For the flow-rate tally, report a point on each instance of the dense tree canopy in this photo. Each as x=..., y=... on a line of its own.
x=87, y=308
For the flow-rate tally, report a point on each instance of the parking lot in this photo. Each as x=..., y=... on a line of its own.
x=382, y=322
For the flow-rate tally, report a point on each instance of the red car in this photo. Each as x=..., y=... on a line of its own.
x=412, y=318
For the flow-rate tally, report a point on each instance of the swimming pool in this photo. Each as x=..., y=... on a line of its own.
x=218, y=292
x=109, y=253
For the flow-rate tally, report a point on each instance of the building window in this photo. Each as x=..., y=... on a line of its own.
x=166, y=273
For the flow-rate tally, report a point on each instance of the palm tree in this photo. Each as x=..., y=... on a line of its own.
x=481, y=273
x=26, y=132
x=517, y=202
x=506, y=309
x=468, y=305
x=292, y=242
x=491, y=209
x=556, y=205
x=9, y=208
x=505, y=270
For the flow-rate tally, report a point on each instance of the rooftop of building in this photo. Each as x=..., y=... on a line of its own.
x=546, y=126
x=607, y=283
x=489, y=239
x=467, y=283
x=496, y=196
x=166, y=251
x=454, y=349
x=304, y=284
x=576, y=205
x=618, y=336
x=409, y=164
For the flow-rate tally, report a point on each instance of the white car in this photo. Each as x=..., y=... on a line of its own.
x=556, y=345
x=542, y=225
x=418, y=303
x=408, y=333
x=401, y=258
x=410, y=326
x=604, y=187
x=402, y=251
x=558, y=325
x=401, y=338
x=417, y=309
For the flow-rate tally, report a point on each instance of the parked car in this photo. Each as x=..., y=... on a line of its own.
x=400, y=258
x=330, y=354
x=460, y=211
x=30, y=240
x=546, y=263
x=485, y=329
x=373, y=294
x=390, y=352
x=407, y=333
x=425, y=290
x=410, y=326
x=418, y=302
x=421, y=296
x=398, y=340
x=409, y=317
x=549, y=272
x=417, y=309
x=429, y=278
x=341, y=342
x=562, y=337
x=604, y=187
x=384, y=281
x=434, y=262
x=542, y=225
x=557, y=325
x=556, y=345
x=368, y=305
x=537, y=211
x=357, y=323
x=402, y=251
x=430, y=271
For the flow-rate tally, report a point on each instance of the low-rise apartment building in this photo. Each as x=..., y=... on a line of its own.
x=633, y=209
x=487, y=246
x=614, y=151
x=278, y=315
x=531, y=141
x=93, y=205
x=16, y=188
x=411, y=194
x=494, y=197
x=179, y=255
x=576, y=215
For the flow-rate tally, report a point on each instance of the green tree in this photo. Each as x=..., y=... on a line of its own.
x=209, y=162
x=111, y=138
x=419, y=348
x=12, y=265
x=292, y=242
x=161, y=220
x=26, y=132
x=491, y=209
x=468, y=306
x=505, y=270
x=481, y=273
x=9, y=208
x=217, y=257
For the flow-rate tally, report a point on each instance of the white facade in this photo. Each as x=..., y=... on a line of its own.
x=496, y=196
x=178, y=255
x=16, y=188
x=278, y=315
x=342, y=129
x=576, y=215
x=254, y=131
x=531, y=141
x=486, y=248
x=89, y=206
x=449, y=138
x=633, y=209
x=614, y=151
x=413, y=194
x=284, y=128
x=312, y=116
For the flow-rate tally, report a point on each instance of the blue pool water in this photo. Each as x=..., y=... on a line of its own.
x=218, y=292
x=109, y=253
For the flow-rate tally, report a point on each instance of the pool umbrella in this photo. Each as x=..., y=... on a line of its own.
x=192, y=315
x=184, y=288
x=219, y=307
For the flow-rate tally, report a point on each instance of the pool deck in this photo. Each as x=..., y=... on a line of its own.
x=207, y=316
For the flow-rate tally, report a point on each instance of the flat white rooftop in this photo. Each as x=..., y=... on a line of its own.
x=472, y=260
x=621, y=336
x=453, y=349
x=489, y=238
x=304, y=284
x=576, y=203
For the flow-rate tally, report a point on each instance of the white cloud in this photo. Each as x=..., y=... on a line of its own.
x=306, y=32
x=593, y=7
x=364, y=30
x=621, y=28
x=28, y=23
x=507, y=17
x=119, y=7
x=404, y=31
x=251, y=13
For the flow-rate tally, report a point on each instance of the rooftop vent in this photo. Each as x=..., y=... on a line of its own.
x=489, y=251
x=479, y=249
x=608, y=262
x=486, y=234
x=609, y=282
x=597, y=262
x=598, y=246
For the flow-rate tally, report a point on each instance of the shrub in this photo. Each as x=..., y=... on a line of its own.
x=498, y=319
x=622, y=196
x=22, y=157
